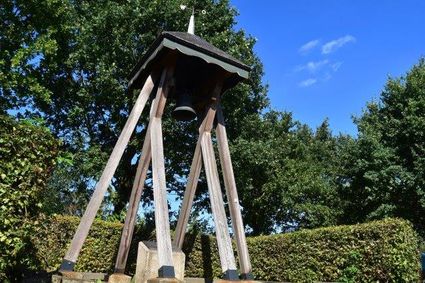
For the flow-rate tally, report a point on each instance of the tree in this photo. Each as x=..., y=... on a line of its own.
x=67, y=61
x=285, y=174
x=384, y=170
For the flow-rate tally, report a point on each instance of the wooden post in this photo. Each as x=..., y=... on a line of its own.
x=133, y=206
x=195, y=168
x=162, y=223
x=232, y=196
x=96, y=200
x=189, y=194
x=227, y=258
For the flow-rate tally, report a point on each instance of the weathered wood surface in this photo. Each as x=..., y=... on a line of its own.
x=133, y=206
x=162, y=222
x=227, y=258
x=189, y=194
x=195, y=170
x=232, y=194
x=108, y=172
x=224, y=243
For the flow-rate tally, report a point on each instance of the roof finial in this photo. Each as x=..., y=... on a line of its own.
x=191, y=27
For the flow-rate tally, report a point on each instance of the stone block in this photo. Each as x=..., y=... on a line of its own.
x=71, y=274
x=164, y=280
x=74, y=280
x=78, y=277
x=147, y=263
x=56, y=278
x=94, y=276
x=119, y=278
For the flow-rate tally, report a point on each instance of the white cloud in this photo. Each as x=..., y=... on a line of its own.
x=335, y=44
x=312, y=66
x=335, y=66
x=307, y=82
x=308, y=46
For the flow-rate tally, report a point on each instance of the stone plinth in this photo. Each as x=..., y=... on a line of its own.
x=164, y=280
x=147, y=263
x=119, y=278
x=78, y=277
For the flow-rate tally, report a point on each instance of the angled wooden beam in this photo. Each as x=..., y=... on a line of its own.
x=133, y=206
x=96, y=200
x=162, y=222
x=196, y=166
x=232, y=196
x=189, y=194
x=227, y=258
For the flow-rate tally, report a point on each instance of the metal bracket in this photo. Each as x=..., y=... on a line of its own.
x=231, y=275
x=67, y=265
x=166, y=271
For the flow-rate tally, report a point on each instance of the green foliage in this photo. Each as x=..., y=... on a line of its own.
x=97, y=254
x=364, y=253
x=285, y=175
x=99, y=250
x=27, y=154
x=69, y=61
x=384, y=169
x=384, y=251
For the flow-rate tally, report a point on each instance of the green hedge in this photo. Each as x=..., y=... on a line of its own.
x=27, y=155
x=99, y=250
x=384, y=251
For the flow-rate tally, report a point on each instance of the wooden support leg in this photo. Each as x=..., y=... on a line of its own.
x=96, y=200
x=227, y=257
x=195, y=170
x=232, y=196
x=137, y=188
x=161, y=206
x=162, y=222
x=133, y=207
x=189, y=194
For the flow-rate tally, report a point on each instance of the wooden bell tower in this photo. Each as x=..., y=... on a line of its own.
x=177, y=64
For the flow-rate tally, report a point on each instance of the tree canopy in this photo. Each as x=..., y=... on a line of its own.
x=68, y=61
x=285, y=174
x=384, y=168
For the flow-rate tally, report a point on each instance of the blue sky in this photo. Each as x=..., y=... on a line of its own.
x=326, y=59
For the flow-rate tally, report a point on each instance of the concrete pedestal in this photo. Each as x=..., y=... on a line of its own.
x=164, y=280
x=78, y=277
x=119, y=278
x=147, y=264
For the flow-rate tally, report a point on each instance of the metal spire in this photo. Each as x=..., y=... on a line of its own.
x=191, y=27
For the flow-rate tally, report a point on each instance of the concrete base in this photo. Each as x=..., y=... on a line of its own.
x=147, y=264
x=164, y=280
x=78, y=277
x=119, y=278
x=56, y=278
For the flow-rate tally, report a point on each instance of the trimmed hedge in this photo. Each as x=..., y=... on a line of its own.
x=27, y=156
x=99, y=250
x=384, y=251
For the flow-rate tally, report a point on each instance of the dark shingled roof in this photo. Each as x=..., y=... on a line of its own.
x=190, y=42
x=202, y=45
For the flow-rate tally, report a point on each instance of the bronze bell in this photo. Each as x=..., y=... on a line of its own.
x=184, y=109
